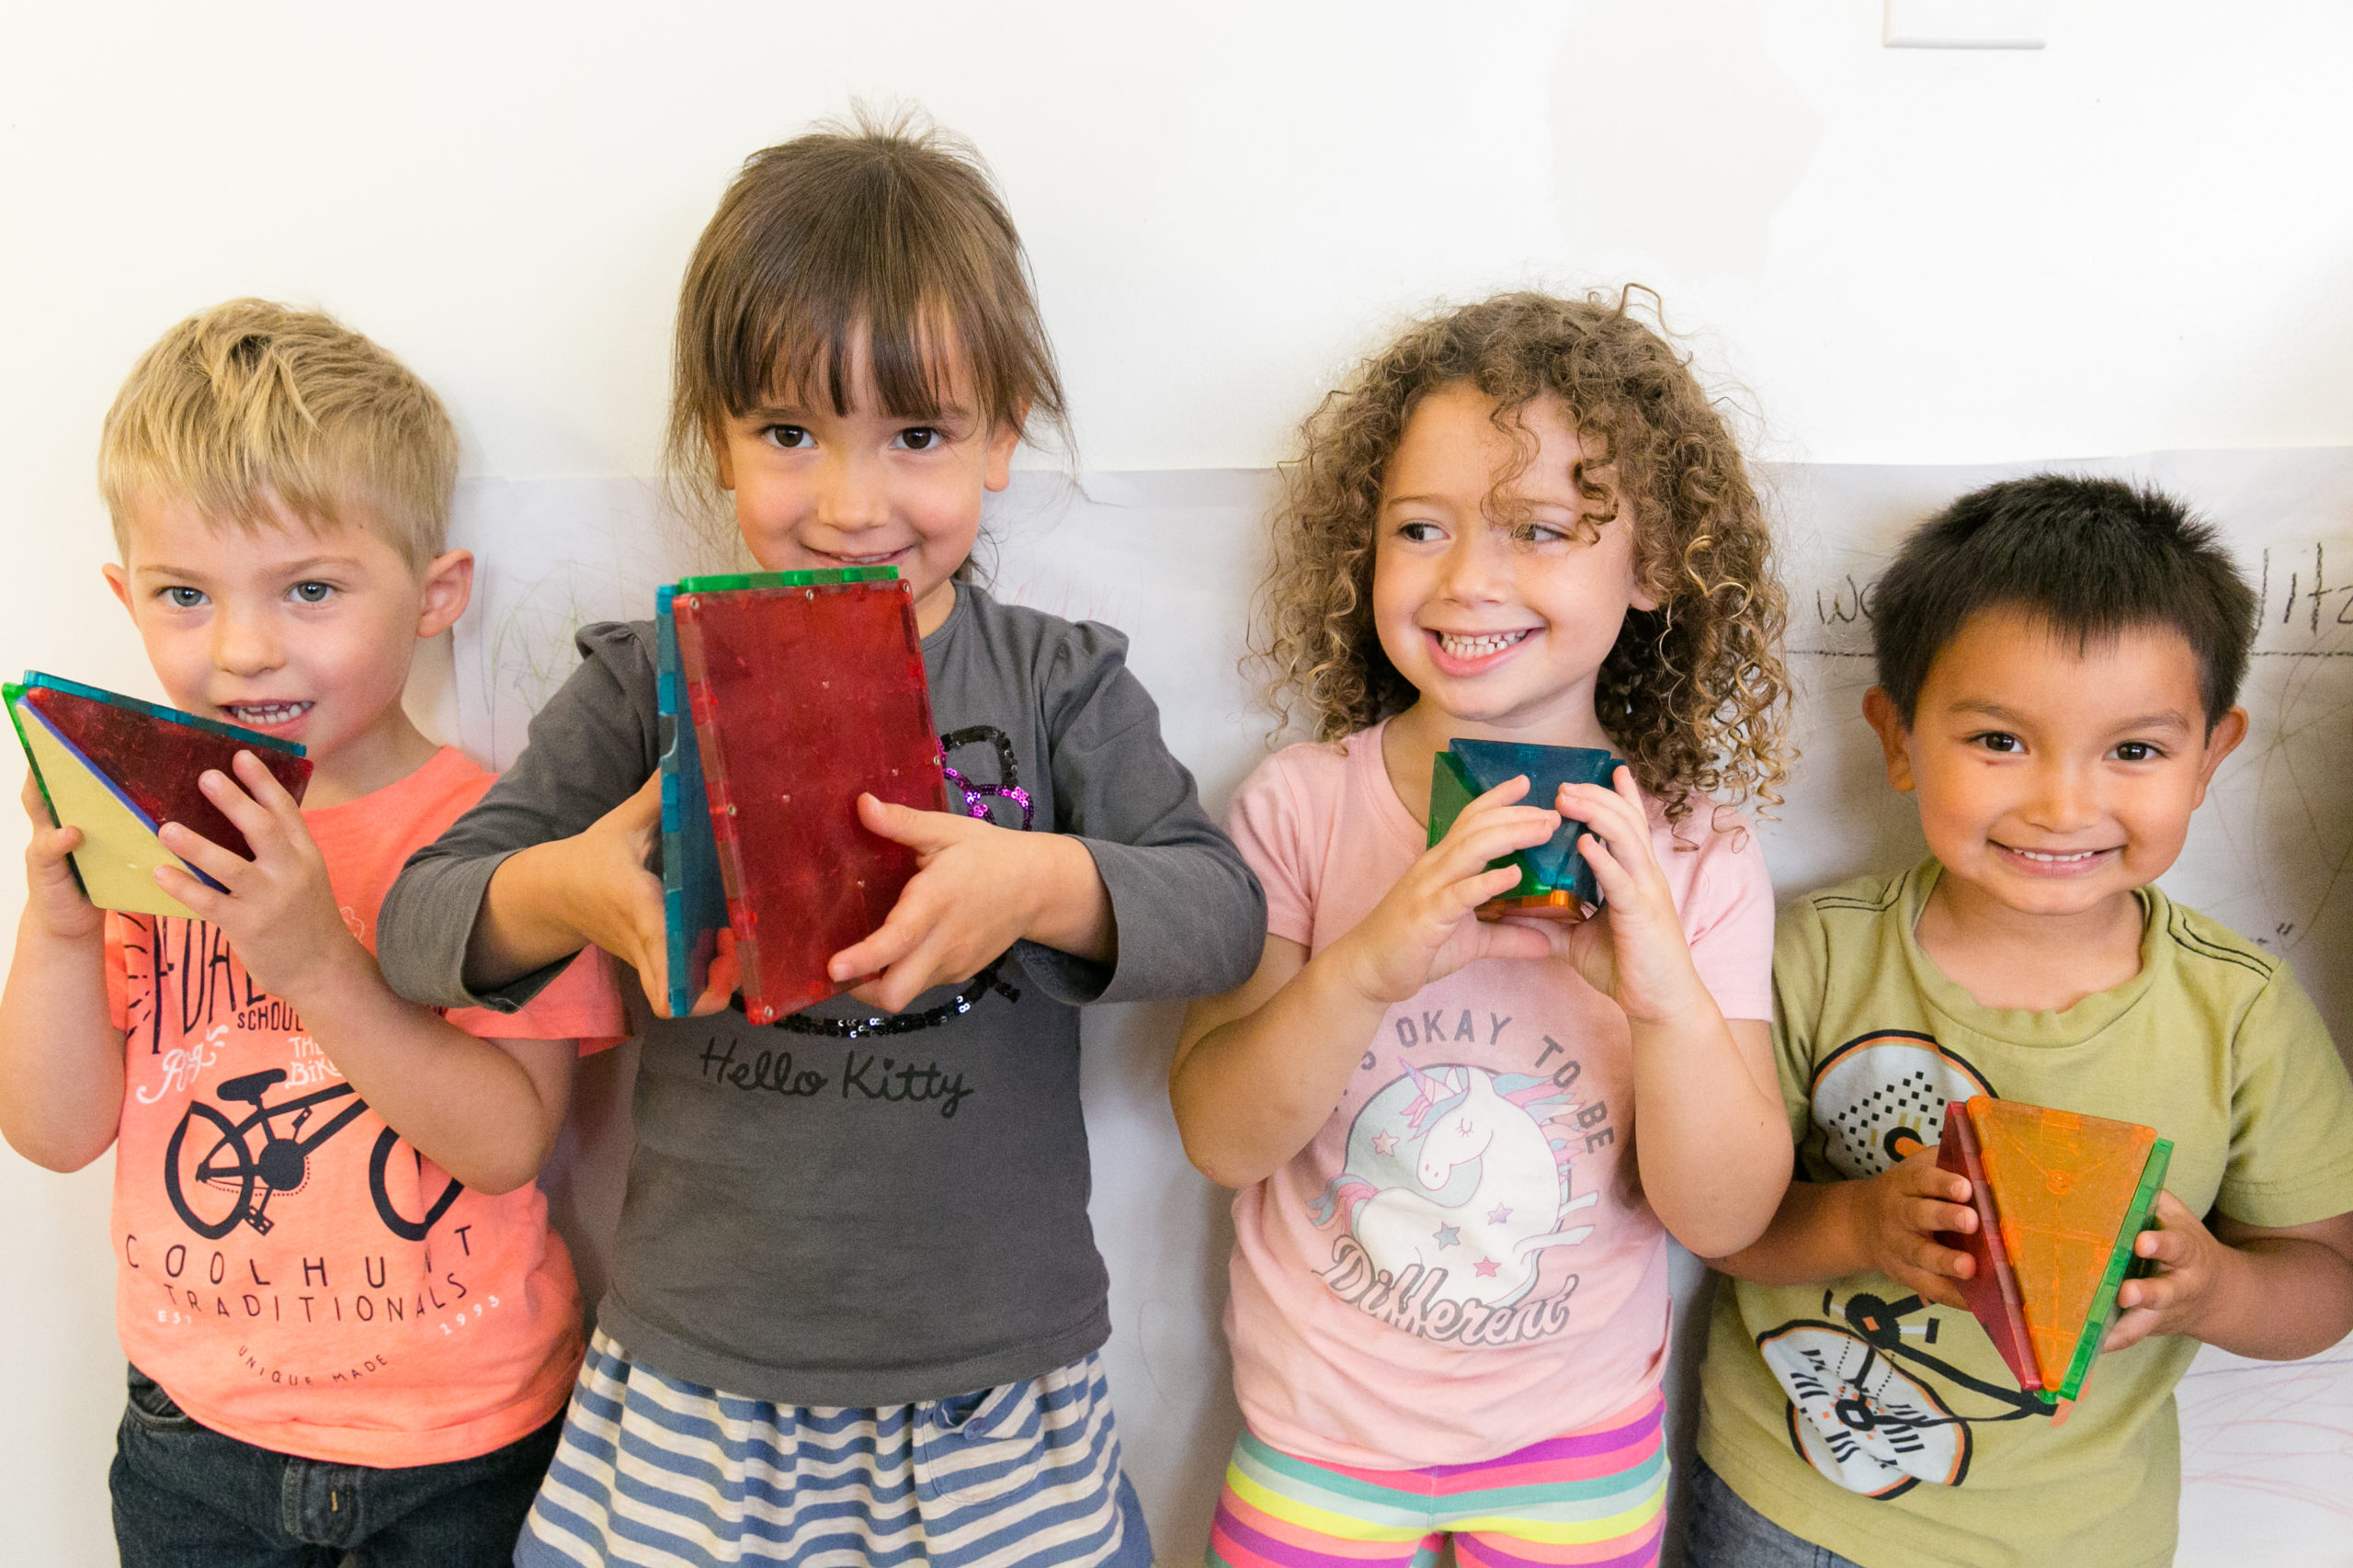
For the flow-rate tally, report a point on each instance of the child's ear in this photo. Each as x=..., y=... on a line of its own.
x=448, y=587
x=1004, y=442
x=1878, y=711
x=1639, y=593
x=118, y=579
x=2220, y=740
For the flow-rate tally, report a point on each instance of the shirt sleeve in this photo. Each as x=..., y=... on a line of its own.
x=590, y=748
x=1728, y=920
x=122, y=929
x=1800, y=974
x=2291, y=1114
x=582, y=1003
x=1191, y=916
x=1267, y=828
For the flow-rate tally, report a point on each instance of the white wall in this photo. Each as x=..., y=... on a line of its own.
x=2140, y=237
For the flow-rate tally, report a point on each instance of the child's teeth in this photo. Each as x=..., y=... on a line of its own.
x=2042, y=855
x=1478, y=647
x=266, y=712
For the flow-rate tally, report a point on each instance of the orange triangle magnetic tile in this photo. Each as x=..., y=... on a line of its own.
x=2063, y=1185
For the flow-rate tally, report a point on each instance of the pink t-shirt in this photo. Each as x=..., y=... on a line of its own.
x=1461, y=1264
x=290, y=1269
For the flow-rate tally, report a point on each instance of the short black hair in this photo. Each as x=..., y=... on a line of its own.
x=2090, y=557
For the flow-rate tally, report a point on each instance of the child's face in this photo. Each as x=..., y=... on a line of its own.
x=301, y=633
x=2054, y=778
x=1498, y=624
x=816, y=490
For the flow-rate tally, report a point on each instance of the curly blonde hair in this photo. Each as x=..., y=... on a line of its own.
x=1694, y=693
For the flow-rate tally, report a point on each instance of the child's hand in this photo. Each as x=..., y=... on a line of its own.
x=977, y=890
x=1426, y=926
x=54, y=899
x=279, y=912
x=612, y=902
x=1633, y=951
x=2188, y=1258
x=1896, y=1216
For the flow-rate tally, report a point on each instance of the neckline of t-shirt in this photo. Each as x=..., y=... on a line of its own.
x=1365, y=747
x=964, y=591
x=424, y=775
x=2072, y=1026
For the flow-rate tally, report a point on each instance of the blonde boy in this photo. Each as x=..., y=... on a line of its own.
x=349, y=1329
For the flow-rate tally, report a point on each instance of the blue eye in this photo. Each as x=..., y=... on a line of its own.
x=312, y=593
x=183, y=598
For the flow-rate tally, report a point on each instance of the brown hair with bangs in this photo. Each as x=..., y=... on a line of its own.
x=885, y=240
x=1694, y=693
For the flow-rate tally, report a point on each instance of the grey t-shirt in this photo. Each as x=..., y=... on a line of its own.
x=850, y=1210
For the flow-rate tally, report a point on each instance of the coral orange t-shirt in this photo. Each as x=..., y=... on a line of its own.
x=291, y=1271
x=1461, y=1262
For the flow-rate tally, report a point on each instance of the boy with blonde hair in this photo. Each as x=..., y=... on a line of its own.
x=2059, y=664
x=350, y=1330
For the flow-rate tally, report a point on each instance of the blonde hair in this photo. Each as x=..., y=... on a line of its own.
x=251, y=406
x=885, y=236
x=1694, y=693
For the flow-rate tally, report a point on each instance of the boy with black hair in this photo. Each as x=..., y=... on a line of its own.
x=2058, y=664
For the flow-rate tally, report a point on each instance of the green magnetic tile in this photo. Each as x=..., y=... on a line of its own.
x=733, y=581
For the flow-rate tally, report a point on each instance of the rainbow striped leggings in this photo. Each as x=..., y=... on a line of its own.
x=1597, y=1498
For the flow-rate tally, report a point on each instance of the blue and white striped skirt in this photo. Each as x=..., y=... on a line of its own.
x=654, y=1471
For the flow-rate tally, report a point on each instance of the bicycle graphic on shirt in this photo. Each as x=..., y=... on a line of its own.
x=234, y=1181
x=1864, y=1421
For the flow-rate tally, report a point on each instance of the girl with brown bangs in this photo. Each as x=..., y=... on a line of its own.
x=855, y=1303
x=1459, y=1144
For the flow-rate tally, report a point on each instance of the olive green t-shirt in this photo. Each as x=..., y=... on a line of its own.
x=1888, y=1430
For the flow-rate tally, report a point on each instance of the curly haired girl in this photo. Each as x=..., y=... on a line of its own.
x=1458, y=1145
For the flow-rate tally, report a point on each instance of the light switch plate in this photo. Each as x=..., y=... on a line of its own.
x=1963, y=24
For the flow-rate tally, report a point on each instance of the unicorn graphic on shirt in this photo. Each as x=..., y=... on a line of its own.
x=1461, y=1170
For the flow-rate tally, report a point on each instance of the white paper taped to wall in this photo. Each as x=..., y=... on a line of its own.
x=1171, y=558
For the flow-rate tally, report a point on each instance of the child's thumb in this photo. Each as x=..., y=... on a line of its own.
x=646, y=806
x=917, y=830
x=1514, y=940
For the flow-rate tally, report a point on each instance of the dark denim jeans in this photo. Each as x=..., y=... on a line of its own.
x=185, y=1496
x=1719, y=1530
